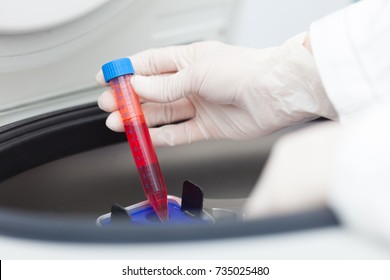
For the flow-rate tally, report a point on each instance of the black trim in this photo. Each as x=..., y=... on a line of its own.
x=76, y=230
x=38, y=140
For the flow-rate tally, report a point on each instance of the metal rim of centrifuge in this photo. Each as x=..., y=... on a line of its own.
x=87, y=122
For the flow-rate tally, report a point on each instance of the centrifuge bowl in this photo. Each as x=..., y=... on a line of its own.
x=62, y=170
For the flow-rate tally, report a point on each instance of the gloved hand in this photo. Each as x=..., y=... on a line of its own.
x=298, y=172
x=223, y=91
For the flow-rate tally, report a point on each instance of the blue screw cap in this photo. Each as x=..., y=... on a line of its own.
x=116, y=68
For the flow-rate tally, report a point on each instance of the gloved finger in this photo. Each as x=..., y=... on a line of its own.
x=156, y=114
x=163, y=60
x=177, y=134
x=166, y=60
x=164, y=88
x=306, y=172
x=114, y=122
x=167, y=135
x=166, y=113
x=100, y=78
x=107, y=102
x=152, y=62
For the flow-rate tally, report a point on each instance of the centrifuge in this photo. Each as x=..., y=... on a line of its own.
x=63, y=173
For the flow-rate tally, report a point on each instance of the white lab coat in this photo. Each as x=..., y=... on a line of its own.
x=352, y=51
x=344, y=166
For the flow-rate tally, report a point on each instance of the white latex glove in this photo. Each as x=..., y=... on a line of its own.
x=298, y=173
x=345, y=167
x=360, y=189
x=223, y=91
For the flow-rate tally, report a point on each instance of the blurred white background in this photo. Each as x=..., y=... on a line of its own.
x=265, y=23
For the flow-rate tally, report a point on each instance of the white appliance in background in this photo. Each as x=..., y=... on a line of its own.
x=51, y=50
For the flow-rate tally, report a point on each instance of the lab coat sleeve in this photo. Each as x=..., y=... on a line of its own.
x=360, y=184
x=352, y=51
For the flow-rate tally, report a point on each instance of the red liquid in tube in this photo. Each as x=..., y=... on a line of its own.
x=141, y=145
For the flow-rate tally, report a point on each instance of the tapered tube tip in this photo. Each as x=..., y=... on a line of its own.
x=161, y=209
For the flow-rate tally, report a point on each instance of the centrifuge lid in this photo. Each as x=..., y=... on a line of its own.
x=25, y=16
x=51, y=50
